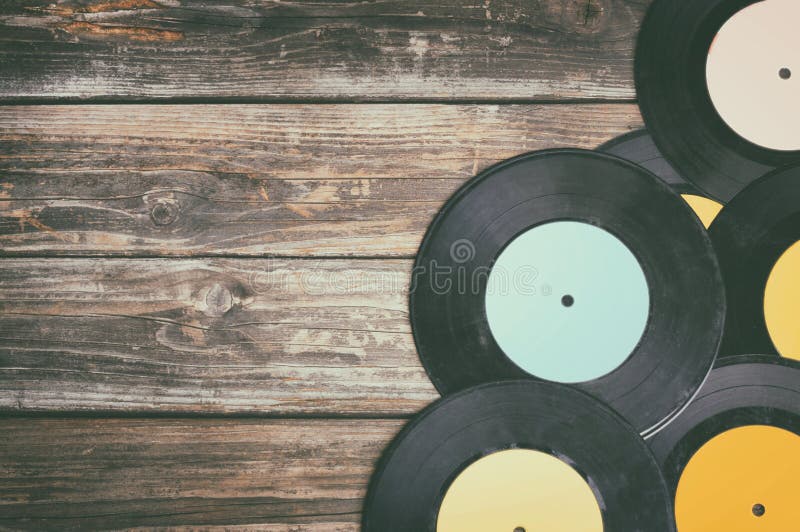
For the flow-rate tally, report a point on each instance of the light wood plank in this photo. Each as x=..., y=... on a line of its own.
x=212, y=336
x=375, y=50
x=277, y=475
x=254, y=180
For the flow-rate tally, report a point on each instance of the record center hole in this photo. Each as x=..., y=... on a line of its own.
x=758, y=510
x=785, y=73
x=567, y=300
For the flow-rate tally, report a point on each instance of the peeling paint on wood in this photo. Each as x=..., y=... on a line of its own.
x=88, y=29
x=328, y=50
x=70, y=8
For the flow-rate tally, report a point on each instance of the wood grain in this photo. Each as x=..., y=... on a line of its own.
x=328, y=50
x=203, y=260
x=287, y=475
x=211, y=336
x=254, y=180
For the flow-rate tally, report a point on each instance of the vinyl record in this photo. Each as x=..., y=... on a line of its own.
x=517, y=455
x=575, y=267
x=717, y=82
x=638, y=147
x=757, y=237
x=732, y=458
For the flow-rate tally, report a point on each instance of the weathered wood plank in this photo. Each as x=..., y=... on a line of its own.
x=212, y=336
x=282, y=180
x=377, y=50
x=117, y=473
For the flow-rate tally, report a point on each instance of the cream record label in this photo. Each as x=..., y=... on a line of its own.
x=753, y=74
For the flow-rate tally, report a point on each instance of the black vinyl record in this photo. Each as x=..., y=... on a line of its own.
x=740, y=391
x=672, y=89
x=638, y=147
x=750, y=234
x=684, y=322
x=415, y=472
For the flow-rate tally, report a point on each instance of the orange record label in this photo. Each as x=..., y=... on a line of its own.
x=746, y=479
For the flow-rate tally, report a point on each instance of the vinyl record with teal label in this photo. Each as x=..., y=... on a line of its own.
x=574, y=267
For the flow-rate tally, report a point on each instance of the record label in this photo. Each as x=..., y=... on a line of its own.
x=518, y=456
x=757, y=239
x=717, y=84
x=753, y=74
x=567, y=301
x=570, y=266
x=516, y=490
x=743, y=480
x=705, y=208
x=732, y=458
x=782, y=303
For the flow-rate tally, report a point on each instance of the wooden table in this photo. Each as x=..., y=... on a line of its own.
x=208, y=215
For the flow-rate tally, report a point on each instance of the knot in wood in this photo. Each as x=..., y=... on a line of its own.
x=219, y=300
x=164, y=212
x=589, y=12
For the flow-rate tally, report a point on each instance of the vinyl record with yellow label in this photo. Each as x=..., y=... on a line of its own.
x=518, y=456
x=757, y=238
x=638, y=147
x=732, y=458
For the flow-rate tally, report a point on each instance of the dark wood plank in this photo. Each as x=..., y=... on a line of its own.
x=245, y=180
x=212, y=336
x=117, y=473
x=376, y=50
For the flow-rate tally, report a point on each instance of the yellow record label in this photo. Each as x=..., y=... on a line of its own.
x=519, y=490
x=746, y=479
x=782, y=303
x=706, y=209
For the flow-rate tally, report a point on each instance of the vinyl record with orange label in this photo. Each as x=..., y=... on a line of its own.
x=732, y=458
x=718, y=82
x=518, y=456
x=757, y=238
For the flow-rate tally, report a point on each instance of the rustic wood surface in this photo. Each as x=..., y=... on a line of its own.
x=225, y=235
x=327, y=50
x=287, y=180
x=116, y=473
x=321, y=337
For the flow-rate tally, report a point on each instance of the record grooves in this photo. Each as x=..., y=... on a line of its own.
x=638, y=147
x=595, y=193
x=418, y=468
x=750, y=235
x=742, y=390
x=670, y=69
